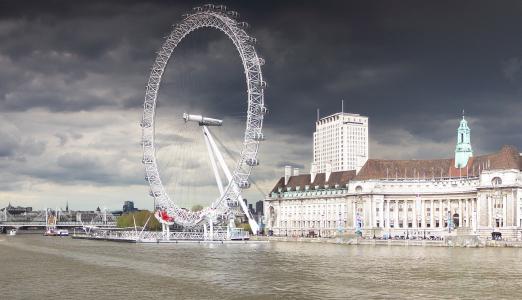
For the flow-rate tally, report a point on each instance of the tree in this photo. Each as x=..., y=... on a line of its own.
x=141, y=217
x=197, y=207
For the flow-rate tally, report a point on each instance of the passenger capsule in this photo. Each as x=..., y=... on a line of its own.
x=233, y=14
x=145, y=124
x=252, y=162
x=154, y=194
x=147, y=160
x=244, y=184
x=146, y=143
x=259, y=137
x=261, y=84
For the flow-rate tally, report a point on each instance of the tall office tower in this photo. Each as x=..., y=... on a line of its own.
x=340, y=143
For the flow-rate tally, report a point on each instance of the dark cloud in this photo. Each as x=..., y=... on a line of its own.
x=396, y=62
x=14, y=146
x=410, y=66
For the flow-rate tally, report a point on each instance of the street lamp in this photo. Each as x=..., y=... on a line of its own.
x=449, y=221
x=321, y=223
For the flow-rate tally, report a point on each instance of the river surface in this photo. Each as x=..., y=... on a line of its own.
x=37, y=267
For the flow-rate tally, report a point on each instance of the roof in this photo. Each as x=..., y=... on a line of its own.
x=507, y=157
x=340, y=177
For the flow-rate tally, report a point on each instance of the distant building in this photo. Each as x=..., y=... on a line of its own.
x=259, y=208
x=116, y=213
x=128, y=207
x=340, y=143
x=17, y=210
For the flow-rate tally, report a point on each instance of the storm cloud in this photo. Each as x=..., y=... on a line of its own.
x=72, y=78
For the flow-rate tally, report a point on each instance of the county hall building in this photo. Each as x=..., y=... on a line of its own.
x=464, y=194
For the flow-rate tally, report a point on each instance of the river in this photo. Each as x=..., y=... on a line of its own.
x=37, y=267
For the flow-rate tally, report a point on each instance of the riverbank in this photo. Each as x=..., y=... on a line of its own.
x=468, y=241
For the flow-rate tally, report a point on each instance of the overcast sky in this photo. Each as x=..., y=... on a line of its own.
x=72, y=78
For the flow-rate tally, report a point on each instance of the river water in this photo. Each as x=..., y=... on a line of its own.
x=37, y=267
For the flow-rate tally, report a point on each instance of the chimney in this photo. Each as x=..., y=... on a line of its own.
x=288, y=173
x=296, y=171
x=328, y=171
x=313, y=172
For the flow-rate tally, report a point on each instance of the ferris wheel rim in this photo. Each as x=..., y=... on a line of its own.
x=223, y=21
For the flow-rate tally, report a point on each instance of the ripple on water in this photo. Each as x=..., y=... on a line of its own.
x=39, y=267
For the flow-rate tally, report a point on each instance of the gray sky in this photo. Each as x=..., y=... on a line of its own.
x=72, y=78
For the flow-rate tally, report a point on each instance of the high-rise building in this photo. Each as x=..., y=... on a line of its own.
x=259, y=207
x=340, y=143
x=128, y=206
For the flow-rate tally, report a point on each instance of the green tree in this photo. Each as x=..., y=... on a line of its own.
x=244, y=226
x=141, y=217
x=197, y=207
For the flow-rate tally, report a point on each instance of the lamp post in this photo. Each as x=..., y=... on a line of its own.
x=449, y=221
x=321, y=223
x=339, y=226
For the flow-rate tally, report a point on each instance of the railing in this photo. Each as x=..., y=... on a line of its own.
x=43, y=223
x=155, y=236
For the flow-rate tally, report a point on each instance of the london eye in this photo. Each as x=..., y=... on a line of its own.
x=227, y=203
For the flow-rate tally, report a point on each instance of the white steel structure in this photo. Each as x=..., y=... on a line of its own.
x=226, y=204
x=340, y=143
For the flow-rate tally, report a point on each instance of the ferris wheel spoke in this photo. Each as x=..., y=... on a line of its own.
x=214, y=165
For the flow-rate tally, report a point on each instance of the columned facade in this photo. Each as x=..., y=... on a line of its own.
x=403, y=199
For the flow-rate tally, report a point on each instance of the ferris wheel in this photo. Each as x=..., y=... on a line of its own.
x=228, y=201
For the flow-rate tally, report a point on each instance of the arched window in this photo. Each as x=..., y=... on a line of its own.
x=496, y=181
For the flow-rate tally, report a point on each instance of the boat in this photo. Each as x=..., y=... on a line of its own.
x=12, y=232
x=56, y=232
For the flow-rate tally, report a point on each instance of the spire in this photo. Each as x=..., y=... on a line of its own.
x=463, y=150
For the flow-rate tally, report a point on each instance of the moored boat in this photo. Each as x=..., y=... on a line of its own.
x=56, y=232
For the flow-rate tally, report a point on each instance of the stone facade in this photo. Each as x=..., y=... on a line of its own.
x=413, y=198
